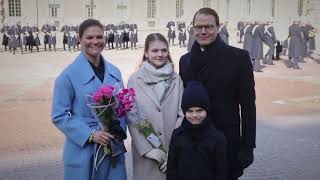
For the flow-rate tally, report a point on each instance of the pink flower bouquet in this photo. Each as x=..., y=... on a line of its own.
x=110, y=103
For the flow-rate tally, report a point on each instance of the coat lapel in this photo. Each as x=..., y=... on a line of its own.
x=172, y=85
x=110, y=74
x=83, y=69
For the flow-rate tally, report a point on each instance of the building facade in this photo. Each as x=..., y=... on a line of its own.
x=154, y=14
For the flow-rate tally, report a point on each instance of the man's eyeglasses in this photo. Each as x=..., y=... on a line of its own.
x=207, y=28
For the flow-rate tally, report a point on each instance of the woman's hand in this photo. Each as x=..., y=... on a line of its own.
x=102, y=137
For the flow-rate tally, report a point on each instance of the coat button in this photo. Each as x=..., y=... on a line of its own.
x=159, y=133
x=158, y=109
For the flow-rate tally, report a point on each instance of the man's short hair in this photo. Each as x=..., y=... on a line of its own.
x=207, y=11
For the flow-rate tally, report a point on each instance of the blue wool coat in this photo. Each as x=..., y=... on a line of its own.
x=72, y=116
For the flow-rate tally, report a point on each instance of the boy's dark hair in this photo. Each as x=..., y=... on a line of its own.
x=207, y=11
x=88, y=23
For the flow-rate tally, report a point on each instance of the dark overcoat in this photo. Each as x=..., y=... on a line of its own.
x=197, y=153
x=230, y=85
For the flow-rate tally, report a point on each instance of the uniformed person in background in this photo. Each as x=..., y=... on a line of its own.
x=53, y=38
x=64, y=40
x=14, y=38
x=305, y=39
x=110, y=34
x=182, y=34
x=66, y=37
x=295, y=46
x=46, y=29
x=125, y=37
x=118, y=37
x=20, y=38
x=248, y=39
x=278, y=50
x=30, y=40
x=311, y=41
x=25, y=34
x=71, y=35
x=257, y=46
x=240, y=27
x=5, y=37
x=76, y=39
x=35, y=34
x=270, y=40
x=105, y=36
x=191, y=36
x=171, y=32
x=73, y=40
x=223, y=32
x=133, y=29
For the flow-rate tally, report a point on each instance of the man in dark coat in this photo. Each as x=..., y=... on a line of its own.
x=227, y=74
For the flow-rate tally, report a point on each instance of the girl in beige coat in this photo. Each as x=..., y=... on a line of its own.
x=158, y=98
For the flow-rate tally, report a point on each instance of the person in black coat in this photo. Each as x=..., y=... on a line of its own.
x=226, y=72
x=5, y=37
x=31, y=42
x=64, y=40
x=278, y=50
x=197, y=150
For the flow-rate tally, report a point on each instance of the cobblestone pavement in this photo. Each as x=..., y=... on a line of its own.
x=285, y=151
x=288, y=111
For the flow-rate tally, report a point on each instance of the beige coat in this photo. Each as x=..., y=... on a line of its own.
x=164, y=118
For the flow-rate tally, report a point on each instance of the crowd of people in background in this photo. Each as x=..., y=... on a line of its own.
x=24, y=38
x=299, y=44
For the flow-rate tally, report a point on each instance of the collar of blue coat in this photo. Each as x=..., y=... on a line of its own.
x=86, y=72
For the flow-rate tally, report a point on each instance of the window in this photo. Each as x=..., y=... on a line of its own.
x=249, y=7
x=121, y=8
x=14, y=8
x=90, y=7
x=53, y=10
x=206, y=3
x=300, y=7
x=151, y=9
x=273, y=6
x=228, y=8
x=151, y=23
x=179, y=8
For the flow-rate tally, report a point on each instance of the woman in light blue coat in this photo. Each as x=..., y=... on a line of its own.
x=72, y=116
